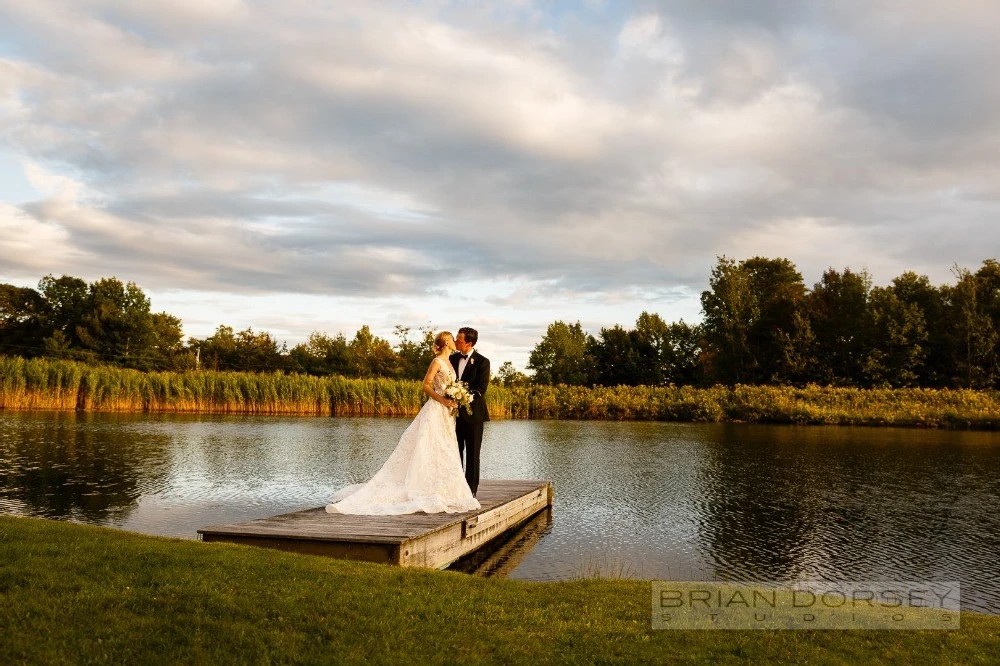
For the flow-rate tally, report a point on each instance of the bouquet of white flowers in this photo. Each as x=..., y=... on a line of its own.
x=459, y=392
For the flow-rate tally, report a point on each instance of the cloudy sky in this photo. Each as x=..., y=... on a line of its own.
x=302, y=165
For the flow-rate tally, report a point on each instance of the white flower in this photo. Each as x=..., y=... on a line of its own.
x=459, y=392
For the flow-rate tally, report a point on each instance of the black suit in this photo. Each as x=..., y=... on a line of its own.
x=469, y=426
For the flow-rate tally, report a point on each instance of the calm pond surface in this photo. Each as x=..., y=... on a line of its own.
x=649, y=500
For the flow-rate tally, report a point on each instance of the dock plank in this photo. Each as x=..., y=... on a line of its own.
x=417, y=539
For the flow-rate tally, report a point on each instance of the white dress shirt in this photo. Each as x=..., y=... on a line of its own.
x=462, y=362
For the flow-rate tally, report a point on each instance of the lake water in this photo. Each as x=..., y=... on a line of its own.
x=648, y=500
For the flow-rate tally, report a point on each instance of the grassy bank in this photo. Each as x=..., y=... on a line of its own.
x=81, y=594
x=66, y=385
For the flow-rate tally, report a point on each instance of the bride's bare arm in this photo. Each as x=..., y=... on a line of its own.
x=432, y=371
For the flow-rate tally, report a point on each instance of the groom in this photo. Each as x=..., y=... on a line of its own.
x=472, y=368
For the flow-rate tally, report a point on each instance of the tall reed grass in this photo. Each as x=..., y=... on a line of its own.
x=67, y=385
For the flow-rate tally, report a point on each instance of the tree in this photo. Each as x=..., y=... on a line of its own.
x=22, y=314
x=796, y=347
x=245, y=351
x=414, y=355
x=780, y=293
x=974, y=325
x=218, y=351
x=561, y=357
x=166, y=349
x=896, y=353
x=117, y=326
x=840, y=322
x=67, y=302
x=259, y=352
x=510, y=376
x=651, y=346
x=106, y=321
x=681, y=353
x=730, y=309
x=752, y=311
x=321, y=355
x=988, y=276
x=371, y=356
x=666, y=353
x=917, y=290
x=615, y=358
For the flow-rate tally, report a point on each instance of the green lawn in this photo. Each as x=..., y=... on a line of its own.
x=78, y=594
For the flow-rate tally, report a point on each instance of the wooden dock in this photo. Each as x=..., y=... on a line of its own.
x=432, y=540
x=502, y=555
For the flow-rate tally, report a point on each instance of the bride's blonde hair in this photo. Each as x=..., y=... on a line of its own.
x=441, y=341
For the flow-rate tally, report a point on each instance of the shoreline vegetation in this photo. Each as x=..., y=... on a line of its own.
x=89, y=594
x=48, y=384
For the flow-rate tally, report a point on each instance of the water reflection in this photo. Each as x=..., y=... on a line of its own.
x=654, y=500
x=853, y=504
x=624, y=495
x=71, y=466
x=504, y=554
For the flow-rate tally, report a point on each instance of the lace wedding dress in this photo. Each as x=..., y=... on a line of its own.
x=424, y=472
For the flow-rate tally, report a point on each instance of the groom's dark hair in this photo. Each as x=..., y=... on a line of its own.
x=471, y=335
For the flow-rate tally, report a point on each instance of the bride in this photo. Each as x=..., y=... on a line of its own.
x=424, y=472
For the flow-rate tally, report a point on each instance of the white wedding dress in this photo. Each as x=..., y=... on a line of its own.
x=423, y=473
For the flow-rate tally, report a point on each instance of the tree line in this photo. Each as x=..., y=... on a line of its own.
x=111, y=322
x=762, y=325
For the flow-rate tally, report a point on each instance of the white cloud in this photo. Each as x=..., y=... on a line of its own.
x=88, y=47
x=32, y=247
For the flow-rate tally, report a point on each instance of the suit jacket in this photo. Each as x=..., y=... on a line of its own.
x=477, y=376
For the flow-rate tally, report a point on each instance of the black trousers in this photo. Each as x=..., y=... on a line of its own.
x=470, y=440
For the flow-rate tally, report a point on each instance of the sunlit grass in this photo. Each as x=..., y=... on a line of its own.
x=83, y=594
x=608, y=568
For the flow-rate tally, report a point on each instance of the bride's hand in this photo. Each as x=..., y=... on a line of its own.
x=450, y=404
